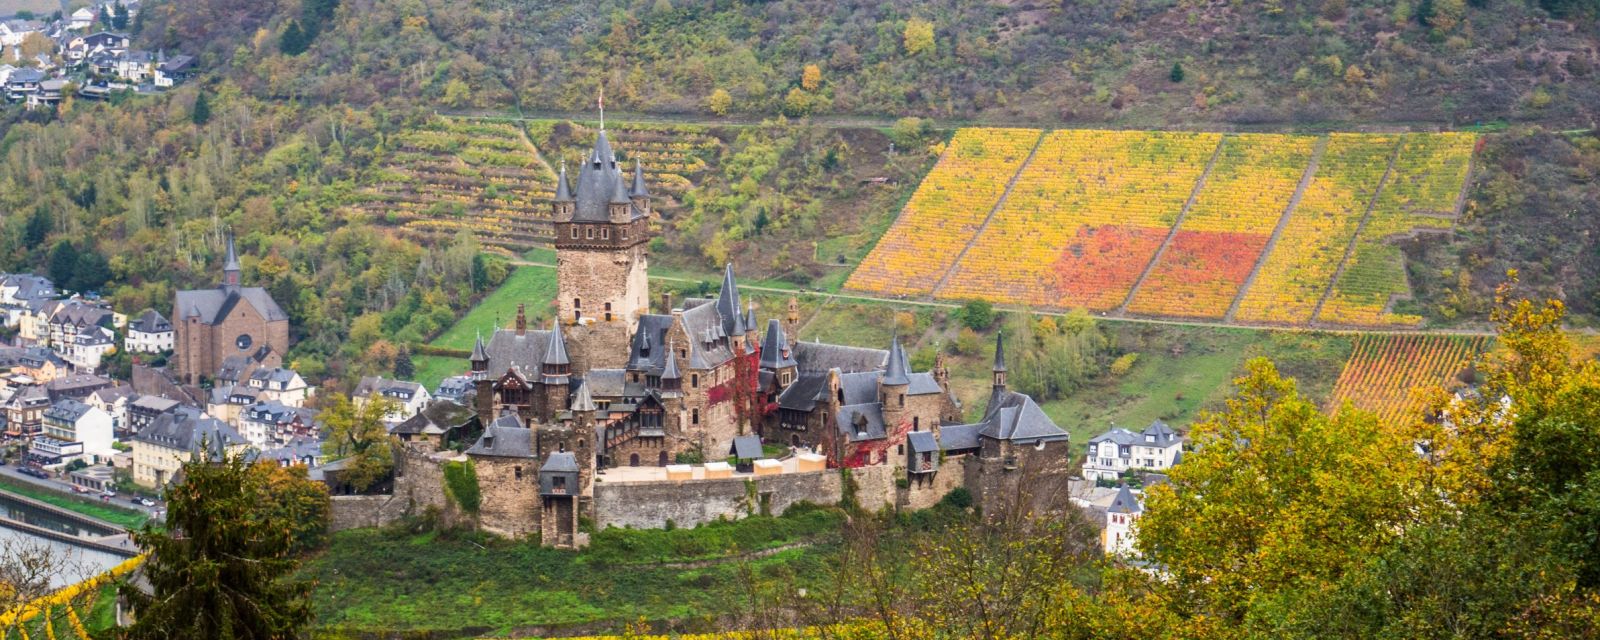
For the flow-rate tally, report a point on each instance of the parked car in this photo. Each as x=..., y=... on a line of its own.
x=78, y=488
x=147, y=502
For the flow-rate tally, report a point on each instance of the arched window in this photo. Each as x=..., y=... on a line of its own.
x=580, y=444
x=633, y=460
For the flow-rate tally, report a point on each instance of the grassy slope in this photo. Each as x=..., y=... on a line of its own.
x=533, y=286
x=90, y=507
x=385, y=580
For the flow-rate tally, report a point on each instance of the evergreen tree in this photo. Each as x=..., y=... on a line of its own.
x=63, y=262
x=105, y=17
x=119, y=17
x=1177, y=72
x=404, y=369
x=201, y=113
x=38, y=228
x=220, y=568
x=293, y=42
x=90, y=273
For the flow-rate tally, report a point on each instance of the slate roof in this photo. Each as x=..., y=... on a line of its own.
x=582, y=400
x=177, y=64
x=747, y=448
x=555, y=352
x=1125, y=502
x=29, y=286
x=213, y=305
x=1163, y=434
x=775, y=348
x=648, y=352
x=455, y=387
x=273, y=375
x=403, y=389
x=150, y=322
x=922, y=441
x=1016, y=417
x=923, y=384
x=560, y=462
x=959, y=437
x=155, y=404
x=434, y=419
x=897, y=369
x=67, y=410
x=25, y=75
x=610, y=383
x=77, y=386
x=860, y=422
x=80, y=314
x=708, y=340
x=600, y=182
x=110, y=395
x=185, y=428
x=506, y=437
x=507, y=349
x=818, y=357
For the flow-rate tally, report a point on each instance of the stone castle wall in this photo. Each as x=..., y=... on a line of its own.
x=418, y=486
x=649, y=505
x=921, y=494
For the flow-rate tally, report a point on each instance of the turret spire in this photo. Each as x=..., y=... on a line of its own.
x=563, y=192
x=230, y=266
x=897, y=369
x=639, y=189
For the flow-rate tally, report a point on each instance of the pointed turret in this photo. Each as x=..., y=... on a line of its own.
x=639, y=190
x=619, y=193
x=728, y=300
x=775, y=347
x=671, y=378
x=555, y=351
x=582, y=401
x=897, y=372
x=563, y=191
x=230, y=265
x=999, y=362
x=480, y=355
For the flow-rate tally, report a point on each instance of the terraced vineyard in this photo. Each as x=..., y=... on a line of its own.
x=945, y=212
x=1251, y=228
x=1084, y=218
x=671, y=155
x=454, y=174
x=1385, y=371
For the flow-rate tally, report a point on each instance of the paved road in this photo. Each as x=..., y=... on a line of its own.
x=10, y=471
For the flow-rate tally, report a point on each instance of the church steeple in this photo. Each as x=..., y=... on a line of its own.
x=999, y=362
x=230, y=266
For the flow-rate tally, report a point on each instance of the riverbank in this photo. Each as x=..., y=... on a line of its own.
x=112, y=515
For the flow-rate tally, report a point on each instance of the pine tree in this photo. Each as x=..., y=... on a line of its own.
x=119, y=17
x=38, y=228
x=202, y=109
x=105, y=17
x=63, y=262
x=1177, y=72
x=293, y=41
x=220, y=568
x=404, y=369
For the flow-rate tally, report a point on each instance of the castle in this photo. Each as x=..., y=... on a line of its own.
x=612, y=385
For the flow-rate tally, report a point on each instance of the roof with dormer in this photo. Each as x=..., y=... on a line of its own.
x=600, y=183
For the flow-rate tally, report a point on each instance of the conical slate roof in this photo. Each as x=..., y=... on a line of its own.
x=582, y=401
x=563, y=191
x=480, y=353
x=1000, y=351
x=1125, y=502
x=599, y=184
x=774, y=347
x=728, y=300
x=897, y=371
x=670, y=372
x=555, y=352
x=638, y=180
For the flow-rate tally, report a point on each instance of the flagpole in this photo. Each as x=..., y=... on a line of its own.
x=602, y=107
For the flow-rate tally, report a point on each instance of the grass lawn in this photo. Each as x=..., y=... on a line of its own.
x=460, y=584
x=533, y=286
x=432, y=369
x=94, y=508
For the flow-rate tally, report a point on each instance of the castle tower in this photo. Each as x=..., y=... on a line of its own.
x=894, y=384
x=483, y=387
x=602, y=232
x=672, y=394
x=793, y=320
x=777, y=357
x=555, y=374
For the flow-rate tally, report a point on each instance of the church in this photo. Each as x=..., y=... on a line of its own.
x=226, y=324
x=613, y=383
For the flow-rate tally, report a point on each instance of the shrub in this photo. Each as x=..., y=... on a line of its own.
x=461, y=484
x=976, y=315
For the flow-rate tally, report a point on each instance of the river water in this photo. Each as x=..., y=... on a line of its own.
x=76, y=562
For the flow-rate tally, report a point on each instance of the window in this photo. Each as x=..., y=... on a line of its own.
x=605, y=233
x=899, y=449
x=624, y=233
x=588, y=233
x=902, y=399
x=577, y=304
x=916, y=423
x=694, y=416
x=519, y=473
x=694, y=380
x=574, y=233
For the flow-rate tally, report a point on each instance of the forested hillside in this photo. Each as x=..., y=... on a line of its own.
x=1163, y=61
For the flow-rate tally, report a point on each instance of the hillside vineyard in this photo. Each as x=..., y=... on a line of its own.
x=1388, y=374
x=1267, y=229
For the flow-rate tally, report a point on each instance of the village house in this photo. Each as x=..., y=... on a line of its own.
x=454, y=388
x=41, y=364
x=144, y=410
x=79, y=49
x=89, y=346
x=1120, y=537
x=267, y=424
x=303, y=450
x=77, y=386
x=23, y=83
x=65, y=319
x=25, y=411
x=49, y=95
x=176, y=436
x=173, y=71
x=15, y=31
x=1118, y=450
x=150, y=332
x=18, y=290
x=406, y=398
x=280, y=385
x=73, y=430
x=115, y=401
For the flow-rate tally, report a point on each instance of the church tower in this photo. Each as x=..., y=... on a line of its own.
x=602, y=229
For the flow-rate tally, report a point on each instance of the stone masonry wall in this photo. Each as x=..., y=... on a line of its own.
x=418, y=485
x=926, y=493
x=649, y=505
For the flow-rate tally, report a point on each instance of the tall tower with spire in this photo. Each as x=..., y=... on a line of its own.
x=230, y=266
x=602, y=228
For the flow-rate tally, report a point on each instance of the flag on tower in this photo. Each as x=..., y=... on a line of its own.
x=602, y=103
